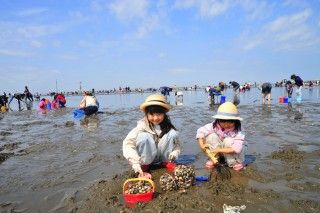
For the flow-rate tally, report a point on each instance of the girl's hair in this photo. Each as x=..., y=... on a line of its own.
x=237, y=124
x=166, y=124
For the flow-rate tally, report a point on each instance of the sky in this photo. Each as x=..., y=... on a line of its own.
x=105, y=44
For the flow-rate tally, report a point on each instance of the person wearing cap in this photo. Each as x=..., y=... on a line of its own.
x=223, y=136
x=154, y=140
x=89, y=104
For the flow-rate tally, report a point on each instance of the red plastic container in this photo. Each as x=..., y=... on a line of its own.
x=133, y=198
x=281, y=99
x=169, y=166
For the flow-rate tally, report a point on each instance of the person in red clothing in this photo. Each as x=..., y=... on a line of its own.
x=59, y=100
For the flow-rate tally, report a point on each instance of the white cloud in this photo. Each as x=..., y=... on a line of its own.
x=16, y=53
x=18, y=31
x=36, y=44
x=212, y=8
x=128, y=9
x=31, y=12
x=206, y=8
x=162, y=55
x=148, y=25
x=180, y=4
x=257, y=9
x=286, y=32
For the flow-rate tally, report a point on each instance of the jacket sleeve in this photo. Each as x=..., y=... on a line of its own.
x=176, y=147
x=204, y=131
x=129, y=147
x=238, y=143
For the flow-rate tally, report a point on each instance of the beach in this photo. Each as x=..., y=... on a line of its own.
x=53, y=162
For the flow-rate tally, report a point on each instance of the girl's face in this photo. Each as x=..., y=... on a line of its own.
x=155, y=118
x=225, y=124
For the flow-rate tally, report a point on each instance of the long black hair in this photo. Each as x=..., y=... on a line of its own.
x=166, y=124
x=237, y=124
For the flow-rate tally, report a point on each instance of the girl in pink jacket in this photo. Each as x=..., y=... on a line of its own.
x=223, y=136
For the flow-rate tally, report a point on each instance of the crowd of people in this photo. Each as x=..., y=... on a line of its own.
x=89, y=103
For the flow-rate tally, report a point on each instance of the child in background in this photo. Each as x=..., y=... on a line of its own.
x=154, y=140
x=289, y=88
x=223, y=136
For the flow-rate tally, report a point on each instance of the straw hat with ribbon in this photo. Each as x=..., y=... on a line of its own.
x=227, y=111
x=155, y=99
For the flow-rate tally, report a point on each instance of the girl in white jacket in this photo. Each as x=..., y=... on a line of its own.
x=154, y=140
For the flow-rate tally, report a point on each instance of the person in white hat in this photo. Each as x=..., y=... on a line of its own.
x=223, y=136
x=154, y=140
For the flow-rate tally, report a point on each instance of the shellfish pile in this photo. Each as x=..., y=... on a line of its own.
x=167, y=182
x=183, y=178
x=139, y=187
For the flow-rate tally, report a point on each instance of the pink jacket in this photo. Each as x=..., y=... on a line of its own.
x=238, y=137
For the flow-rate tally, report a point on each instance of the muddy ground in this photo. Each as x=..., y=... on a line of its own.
x=54, y=163
x=106, y=195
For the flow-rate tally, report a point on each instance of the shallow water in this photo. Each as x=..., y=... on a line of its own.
x=51, y=158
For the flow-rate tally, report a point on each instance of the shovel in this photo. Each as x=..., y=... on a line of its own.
x=222, y=170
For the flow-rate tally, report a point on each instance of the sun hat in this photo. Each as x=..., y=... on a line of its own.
x=227, y=111
x=155, y=99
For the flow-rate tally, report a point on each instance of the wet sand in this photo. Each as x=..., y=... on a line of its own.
x=55, y=163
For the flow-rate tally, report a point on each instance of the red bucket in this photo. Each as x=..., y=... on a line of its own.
x=169, y=166
x=133, y=198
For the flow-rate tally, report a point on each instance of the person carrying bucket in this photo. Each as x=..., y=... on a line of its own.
x=154, y=140
x=266, y=92
x=224, y=136
x=216, y=91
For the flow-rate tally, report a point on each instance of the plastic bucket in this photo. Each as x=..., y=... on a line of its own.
x=133, y=198
x=78, y=113
x=222, y=99
x=281, y=99
x=169, y=166
x=285, y=100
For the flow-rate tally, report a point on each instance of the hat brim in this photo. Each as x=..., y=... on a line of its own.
x=225, y=117
x=154, y=103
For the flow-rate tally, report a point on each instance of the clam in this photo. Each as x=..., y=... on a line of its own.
x=184, y=176
x=167, y=182
x=140, y=187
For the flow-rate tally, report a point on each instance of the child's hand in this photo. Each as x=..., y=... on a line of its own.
x=145, y=175
x=204, y=146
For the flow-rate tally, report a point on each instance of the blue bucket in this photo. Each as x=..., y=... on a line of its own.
x=78, y=113
x=222, y=99
x=285, y=100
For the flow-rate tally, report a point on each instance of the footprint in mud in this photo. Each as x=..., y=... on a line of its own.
x=5, y=156
x=5, y=133
x=289, y=155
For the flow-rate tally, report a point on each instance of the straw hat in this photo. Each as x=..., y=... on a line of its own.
x=155, y=99
x=227, y=111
